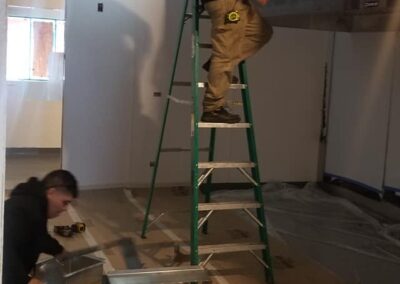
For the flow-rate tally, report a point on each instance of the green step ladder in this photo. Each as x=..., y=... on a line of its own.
x=197, y=178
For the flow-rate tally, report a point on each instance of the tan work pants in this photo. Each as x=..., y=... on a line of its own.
x=232, y=43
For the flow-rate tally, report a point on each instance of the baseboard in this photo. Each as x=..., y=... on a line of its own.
x=356, y=184
x=32, y=151
x=214, y=186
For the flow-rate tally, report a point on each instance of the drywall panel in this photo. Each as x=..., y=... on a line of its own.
x=392, y=174
x=118, y=58
x=287, y=85
x=102, y=88
x=359, y=107
x=33, y=114
x=156, y=39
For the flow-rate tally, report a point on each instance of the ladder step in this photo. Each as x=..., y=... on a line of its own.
x=223, y=248
x=204, y=84
x=223, y=125
x=232, y=86
x=182, y=84
x=205, y=45
x=228, y=205
x=226, y=165
x=182, y=150
x=190, y=15
x=181, y=274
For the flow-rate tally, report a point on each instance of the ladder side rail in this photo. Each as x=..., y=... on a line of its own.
x=194, y=238
x=251, y=142
x=165, y=116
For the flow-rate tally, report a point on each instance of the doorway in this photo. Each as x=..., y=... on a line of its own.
x=35, y=76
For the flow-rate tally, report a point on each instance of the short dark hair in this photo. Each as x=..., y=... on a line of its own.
x=63, y=179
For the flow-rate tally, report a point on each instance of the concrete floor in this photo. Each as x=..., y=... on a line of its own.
x=21, y=164
x=115, y=213
x=111, y=214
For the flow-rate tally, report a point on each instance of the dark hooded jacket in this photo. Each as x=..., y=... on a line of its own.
x=25, y=232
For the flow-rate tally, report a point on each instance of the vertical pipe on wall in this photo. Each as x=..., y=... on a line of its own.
x=327, y=99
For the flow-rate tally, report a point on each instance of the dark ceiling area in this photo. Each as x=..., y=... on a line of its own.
x=335, y=15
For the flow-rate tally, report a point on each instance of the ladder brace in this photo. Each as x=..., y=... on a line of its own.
x=246, y=174
x=254, y=218
x=204, y=219
x=205, y=175
x=206, y=261
x=155, y=220
x=259, y=259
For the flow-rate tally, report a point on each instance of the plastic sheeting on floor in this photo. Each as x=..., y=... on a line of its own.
x=331, y=231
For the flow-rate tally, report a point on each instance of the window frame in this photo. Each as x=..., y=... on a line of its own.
x=32, y=19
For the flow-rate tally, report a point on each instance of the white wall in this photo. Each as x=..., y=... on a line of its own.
x=44, y=4
x=105, y=54
x=359, y=109
x=3, y=40
x=392, y=174
x=287, y=85
x=115, y=60
x=33, y=115
x=34, y=107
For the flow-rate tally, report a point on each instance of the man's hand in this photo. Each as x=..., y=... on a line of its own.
x=263, y=2
x=35, y=281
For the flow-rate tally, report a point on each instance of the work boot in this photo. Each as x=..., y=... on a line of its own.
x=206, y=67
x=220, y=115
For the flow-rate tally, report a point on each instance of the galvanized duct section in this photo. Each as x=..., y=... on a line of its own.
x=335, y=15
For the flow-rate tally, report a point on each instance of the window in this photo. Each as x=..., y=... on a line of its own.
x=30, y=44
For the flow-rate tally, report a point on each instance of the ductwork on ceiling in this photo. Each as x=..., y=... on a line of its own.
x=335, y=15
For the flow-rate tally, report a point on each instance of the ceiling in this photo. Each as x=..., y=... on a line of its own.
x=335, y=15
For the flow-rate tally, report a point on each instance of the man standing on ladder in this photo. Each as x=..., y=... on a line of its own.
x=237, y=32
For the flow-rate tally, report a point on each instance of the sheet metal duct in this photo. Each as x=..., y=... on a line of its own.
x=335, y=15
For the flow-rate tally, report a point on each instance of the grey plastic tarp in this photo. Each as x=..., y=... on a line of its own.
x=332, y=231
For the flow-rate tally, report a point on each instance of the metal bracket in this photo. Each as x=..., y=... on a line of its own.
x=254, y=218
x=246, y=174
x=259, y=259
x=206, y=261
x=205, y=175
x=155, y=219
x=204, y=219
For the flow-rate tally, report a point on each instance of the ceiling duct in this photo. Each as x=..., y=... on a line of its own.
x=366, y=5
x=335, y=15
